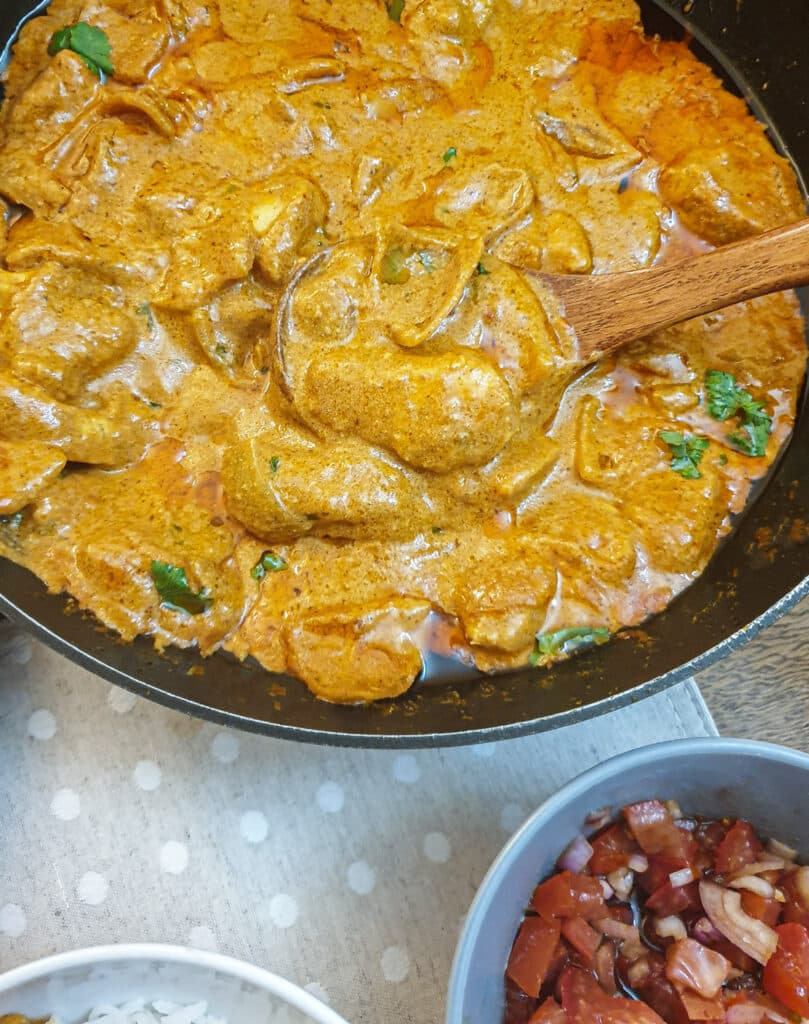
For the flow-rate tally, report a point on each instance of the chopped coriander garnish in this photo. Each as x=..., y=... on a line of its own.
x=438, y=529
x=565, y=641
x=175, y=591
x=686, y=452
x=395, y=9
x=275, y=462
x=450, y=154
x=322, y=104
x=89, y=42
x=726, y=399
x=269, y=562
x=723, y=459
x=393, y=268
x=482, y=271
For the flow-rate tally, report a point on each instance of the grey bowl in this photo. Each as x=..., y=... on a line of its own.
x=763, y=782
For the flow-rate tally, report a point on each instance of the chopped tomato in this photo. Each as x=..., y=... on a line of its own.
x=670, y=899
x=737, y=957
x=584, y=939
x=786, y=974
x=661, y=865
x=740, y=846
x=766, y=910
x=585, y=1002
x=690, y=965
x=795, y=908
x=519, y=1006
x=654, y=828
x=550, y=1012
x=569, y=895
x=698, y=1008
x=612, y=848
x=532, y=953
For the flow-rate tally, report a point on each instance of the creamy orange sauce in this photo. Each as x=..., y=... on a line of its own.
x=269, y=288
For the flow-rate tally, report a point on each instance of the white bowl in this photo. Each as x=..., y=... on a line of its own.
x=70, y=984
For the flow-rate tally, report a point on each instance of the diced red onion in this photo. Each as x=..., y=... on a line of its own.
x=703, y=931
x=752, y=1013
x=637, y=972
x=576, y=856
x=670, y=927
x=674, y=809
x=607, y=889
x=690, y=965
x=599, y=818
x=753, y=883
x=622, y=880
x=781, y=850
x=617, y=929
x=724, y=908
x=802, y=884
x=681, y=877
x=638, y=863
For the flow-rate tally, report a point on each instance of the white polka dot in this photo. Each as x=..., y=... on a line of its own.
x=361, y=877
x=42, y=725
x=283, y=911
x=121, y=700
x=202, y=937
x=437, y=847
x=395, y=964
x=331, y=797
x=19, y=650
x=225, y=747
x=314, y=988
x=65, y=805
x=484, y=750
x=511, y=817
x=253, y=827
x=147, y=775
x=12, y=920
x=174, y=857
x=406, y=769
x=93, y=888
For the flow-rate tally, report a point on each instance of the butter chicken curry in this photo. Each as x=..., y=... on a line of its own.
x=276, y=375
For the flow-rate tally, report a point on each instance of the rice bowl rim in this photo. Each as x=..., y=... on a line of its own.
x=94, y=956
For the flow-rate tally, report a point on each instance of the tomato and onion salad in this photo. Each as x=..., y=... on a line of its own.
x=659, y=918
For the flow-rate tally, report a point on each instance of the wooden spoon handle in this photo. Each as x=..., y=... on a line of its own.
x=608, y=311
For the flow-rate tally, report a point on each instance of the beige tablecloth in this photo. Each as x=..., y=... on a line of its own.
x=348, y=871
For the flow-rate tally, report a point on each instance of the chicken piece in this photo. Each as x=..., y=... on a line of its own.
x=281, y=492
x=284, y=219
x=677, y=518
x=446, y=37
x=555, y=244
x=484, y=200
x=613, y=451
x=728, y=192
x=138, y=36
x=436, y=412
x=350, y=655
x=234, y=330
x=112, y=437
x=26, y=470
x=64, y=327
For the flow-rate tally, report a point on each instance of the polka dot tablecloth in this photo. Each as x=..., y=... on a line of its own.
x=347, y=871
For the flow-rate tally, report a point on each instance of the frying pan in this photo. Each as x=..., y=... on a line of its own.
x=761, y=571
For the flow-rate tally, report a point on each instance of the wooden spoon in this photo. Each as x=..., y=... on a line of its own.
x=607, y=311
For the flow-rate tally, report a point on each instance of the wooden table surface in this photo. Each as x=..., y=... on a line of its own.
x=762, y=690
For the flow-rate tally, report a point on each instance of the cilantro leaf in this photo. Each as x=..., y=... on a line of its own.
x=175, y=592
x=686, y=452
x=450, y=154
x=275, y=462
x=482, y=271
x=726, y=399
x=395, y=9
x=269, y=562
x=565, y=641
x=89, y=42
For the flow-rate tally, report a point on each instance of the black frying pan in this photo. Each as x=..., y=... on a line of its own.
x=758, y=574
